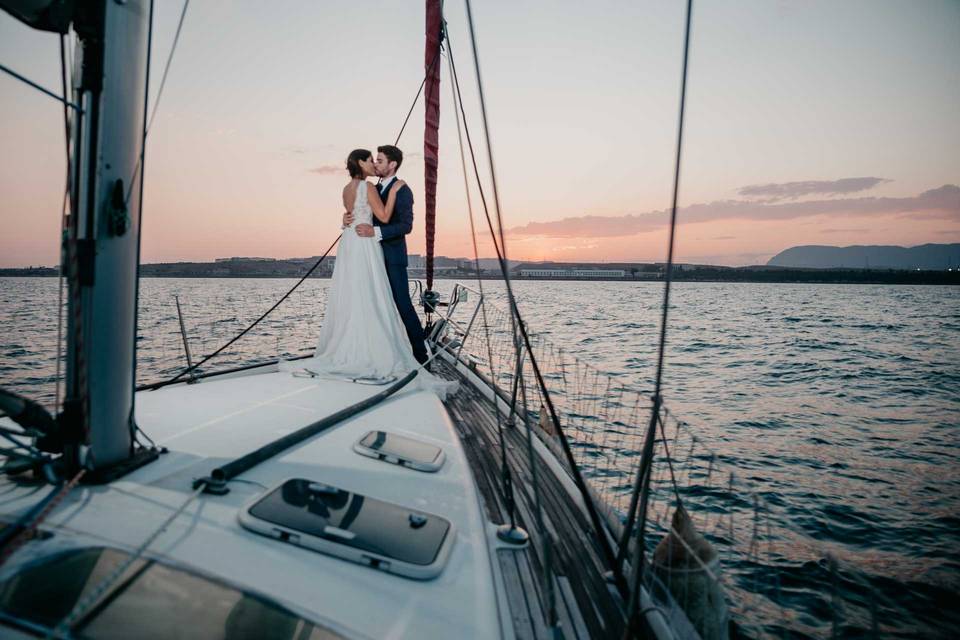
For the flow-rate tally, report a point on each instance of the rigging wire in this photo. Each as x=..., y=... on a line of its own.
x=258, y=320
x=642, y=485
x=132, y=421
x=546, y=544
x=416, y=98
x=10, y=435
x=16, y=534
x=40, y=88
x=66, y=108
x=166, y=69
x=517, y=321
x=63, y=219
x=473, y=231
x=156, y=104
x=473, y=157
x=141, y=159
x=486, y=131
x=504, y=468
x=669, y=458
x=63, y=629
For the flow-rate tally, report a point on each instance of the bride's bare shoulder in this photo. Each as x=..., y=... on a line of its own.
x=349, y=195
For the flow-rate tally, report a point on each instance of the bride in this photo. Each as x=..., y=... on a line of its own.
x=362, y=334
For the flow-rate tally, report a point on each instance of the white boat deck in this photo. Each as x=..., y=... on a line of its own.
x=207, y=424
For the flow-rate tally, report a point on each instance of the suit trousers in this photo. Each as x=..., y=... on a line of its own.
x=400, y=285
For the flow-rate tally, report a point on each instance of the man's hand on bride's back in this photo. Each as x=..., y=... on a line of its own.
x=347, y=218
x=364, y=230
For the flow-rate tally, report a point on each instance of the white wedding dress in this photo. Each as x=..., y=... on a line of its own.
x=362, y=334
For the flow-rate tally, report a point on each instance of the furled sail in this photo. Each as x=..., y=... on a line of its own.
x=431, y=141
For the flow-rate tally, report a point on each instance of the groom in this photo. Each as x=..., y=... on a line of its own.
x=394, y=245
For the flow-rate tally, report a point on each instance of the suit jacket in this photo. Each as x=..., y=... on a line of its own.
x=393, y=240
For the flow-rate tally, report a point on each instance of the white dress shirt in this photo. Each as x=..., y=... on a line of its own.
x=383, y=189
x=386, y=182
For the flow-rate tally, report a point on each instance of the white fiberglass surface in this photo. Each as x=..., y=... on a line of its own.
x=207, y=424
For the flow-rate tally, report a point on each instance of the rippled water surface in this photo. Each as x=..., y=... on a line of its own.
x=841, y=401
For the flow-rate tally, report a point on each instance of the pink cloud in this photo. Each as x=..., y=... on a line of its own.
x=793, y=190
x=328, y=170
x=940, y=203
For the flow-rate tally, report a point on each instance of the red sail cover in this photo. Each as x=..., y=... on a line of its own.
x=431, y=93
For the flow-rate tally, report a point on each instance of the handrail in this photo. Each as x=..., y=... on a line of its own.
x=153, y=386
x=216, y=482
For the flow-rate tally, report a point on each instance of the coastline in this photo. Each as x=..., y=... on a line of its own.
x=770, y=276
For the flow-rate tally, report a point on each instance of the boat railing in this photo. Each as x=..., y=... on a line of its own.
x=733, y=575
x=211, y=321
x=604, y=420
x=204, y=322
x=200, y=326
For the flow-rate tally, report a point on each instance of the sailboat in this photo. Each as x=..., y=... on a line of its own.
x=266, y=502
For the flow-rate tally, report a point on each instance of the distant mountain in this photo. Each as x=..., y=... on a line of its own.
x=925, y=256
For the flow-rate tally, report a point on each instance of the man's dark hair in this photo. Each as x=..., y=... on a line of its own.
x=353, y=162
x=393, y=154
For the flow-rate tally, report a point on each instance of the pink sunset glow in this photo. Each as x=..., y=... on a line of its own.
x=800, y=130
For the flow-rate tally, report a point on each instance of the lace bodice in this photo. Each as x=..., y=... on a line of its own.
x=362, y=213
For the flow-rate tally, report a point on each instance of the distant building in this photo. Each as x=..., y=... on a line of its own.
x=573, y=273
x=545, y=273
x=437, y=270
x=679, y=266
x=242, y=259
x=599, y=273
x=443, y=261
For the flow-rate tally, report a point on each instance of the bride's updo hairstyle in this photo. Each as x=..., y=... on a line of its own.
x=353, y=162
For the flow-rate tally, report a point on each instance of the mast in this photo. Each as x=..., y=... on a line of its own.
x=103, y=243
x=431, y=138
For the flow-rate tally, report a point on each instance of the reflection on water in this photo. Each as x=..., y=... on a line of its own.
x=842, y=402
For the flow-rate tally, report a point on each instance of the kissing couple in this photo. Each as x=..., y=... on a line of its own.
x=371, y=329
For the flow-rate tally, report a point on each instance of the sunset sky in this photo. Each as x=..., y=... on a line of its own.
x=808, y=122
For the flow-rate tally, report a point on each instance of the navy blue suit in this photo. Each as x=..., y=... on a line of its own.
x=394, y=245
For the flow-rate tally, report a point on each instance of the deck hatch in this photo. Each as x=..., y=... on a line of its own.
x=355, y=527
x=141, y=604
x=400, y=450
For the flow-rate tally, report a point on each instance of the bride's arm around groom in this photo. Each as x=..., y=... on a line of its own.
x=401, y=222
